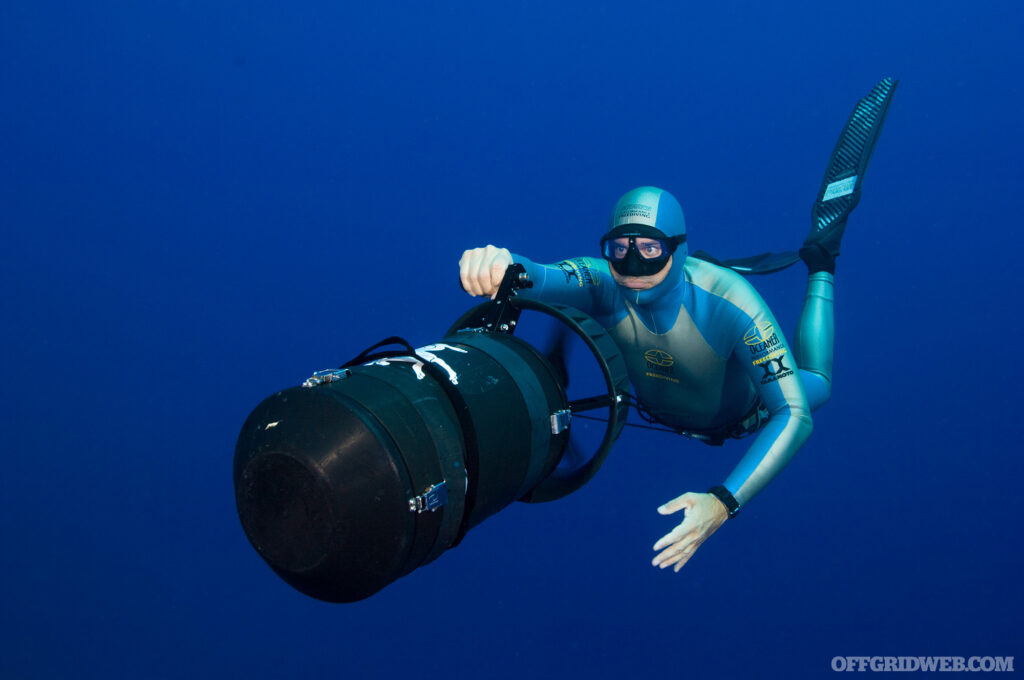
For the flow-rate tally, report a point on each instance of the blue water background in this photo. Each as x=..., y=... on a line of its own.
x=202, y=202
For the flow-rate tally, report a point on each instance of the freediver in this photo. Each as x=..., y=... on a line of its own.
x=705, y=355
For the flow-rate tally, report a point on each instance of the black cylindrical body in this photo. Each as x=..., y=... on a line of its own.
x=325, y=475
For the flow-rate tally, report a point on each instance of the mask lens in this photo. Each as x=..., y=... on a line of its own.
x=651, y=248
x=616, y=249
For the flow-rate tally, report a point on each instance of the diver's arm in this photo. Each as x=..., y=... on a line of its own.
x=775, y=375
x=580, y=282
x=789, y=427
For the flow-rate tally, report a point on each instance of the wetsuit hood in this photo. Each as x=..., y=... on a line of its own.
x=650, y=207
x=658, y=209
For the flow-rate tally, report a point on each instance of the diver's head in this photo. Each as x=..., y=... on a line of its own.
x=646, y=230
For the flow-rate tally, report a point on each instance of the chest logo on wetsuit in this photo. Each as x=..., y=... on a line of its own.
x=659, y=357
x=764, y=344
x=578, y=269
x=660, y=364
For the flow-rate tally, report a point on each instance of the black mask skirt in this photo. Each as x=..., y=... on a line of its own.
x=633, y=263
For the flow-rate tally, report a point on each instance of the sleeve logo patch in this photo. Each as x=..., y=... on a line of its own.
x=775, y=370
x=764, y=344
x=759, y=333
x=578, y=269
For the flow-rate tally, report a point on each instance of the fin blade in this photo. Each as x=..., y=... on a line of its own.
x=841, y=187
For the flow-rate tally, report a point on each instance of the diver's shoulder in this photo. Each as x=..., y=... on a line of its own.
x=723, y=283
x=711, y=277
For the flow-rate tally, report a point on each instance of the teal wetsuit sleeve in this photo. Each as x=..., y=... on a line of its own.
x=765, y=355
x=582, y=282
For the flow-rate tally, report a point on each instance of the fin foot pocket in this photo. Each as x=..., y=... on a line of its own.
x=818, y=259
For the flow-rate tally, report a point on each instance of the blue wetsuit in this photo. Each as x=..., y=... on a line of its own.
x=705, y=354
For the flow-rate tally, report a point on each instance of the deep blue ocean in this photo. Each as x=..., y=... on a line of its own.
x=204, y=202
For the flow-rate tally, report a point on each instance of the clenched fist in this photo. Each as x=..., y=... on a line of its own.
x=482, y=269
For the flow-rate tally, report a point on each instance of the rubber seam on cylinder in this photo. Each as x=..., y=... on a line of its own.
x=469, y=436
x=535, y=400
x=427, y=526
x=450, y=452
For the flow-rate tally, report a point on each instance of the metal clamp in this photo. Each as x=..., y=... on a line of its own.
x=560, y=420
x=431, y=499
x=327, y=376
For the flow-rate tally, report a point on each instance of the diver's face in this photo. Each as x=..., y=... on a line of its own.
x=642, y=282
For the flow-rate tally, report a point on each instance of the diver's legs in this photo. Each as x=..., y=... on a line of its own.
x=838, y=196
x=814, y=340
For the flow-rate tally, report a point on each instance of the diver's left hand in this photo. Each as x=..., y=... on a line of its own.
x=704, y=514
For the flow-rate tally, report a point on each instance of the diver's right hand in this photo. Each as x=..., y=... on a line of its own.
x=482, y=269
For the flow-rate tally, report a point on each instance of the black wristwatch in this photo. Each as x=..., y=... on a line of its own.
x=728, y=500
